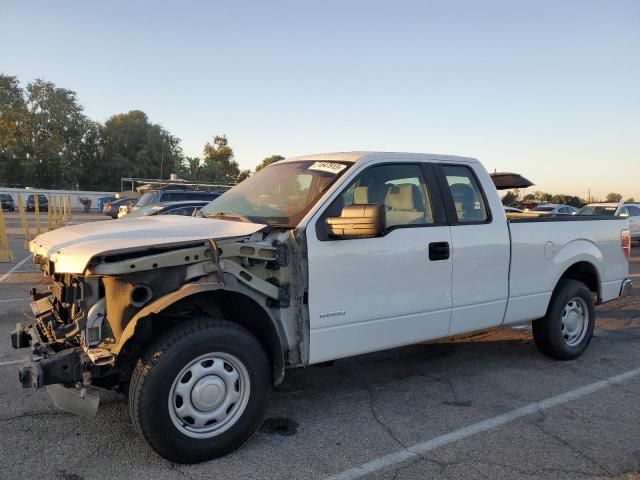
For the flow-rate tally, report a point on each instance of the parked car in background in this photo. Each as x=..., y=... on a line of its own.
x=6, y=202
x=43, y=203
x=555, y=209
x=102, y=201
x=185, y=208
x=112, y=208
x=513, y=210
x=627, y=210
x=163, y=196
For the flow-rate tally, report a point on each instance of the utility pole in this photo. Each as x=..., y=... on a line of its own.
x=162, y=159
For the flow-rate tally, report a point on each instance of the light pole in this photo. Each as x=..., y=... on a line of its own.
x=162, y=158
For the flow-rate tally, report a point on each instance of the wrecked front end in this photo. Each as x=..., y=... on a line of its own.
x=71, y=337
x=89, y=328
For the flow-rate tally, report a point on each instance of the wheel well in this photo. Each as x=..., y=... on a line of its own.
x=586, y=273
x=231, y=306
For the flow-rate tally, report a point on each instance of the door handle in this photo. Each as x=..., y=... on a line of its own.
x=439, y=251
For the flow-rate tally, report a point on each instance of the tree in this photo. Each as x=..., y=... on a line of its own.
x=268, y=161
x=135, y=147
x=219, y=166
x=13, y=131
x=542, y=196
x=89, y=160
x=244, y=174
x=510, y=199
x=57, y=127
x=194, y=168
x=568, y=200
x=614, y=197
x=630, y=200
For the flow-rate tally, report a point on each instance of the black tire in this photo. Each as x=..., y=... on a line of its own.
x=152, y=384
x=549, y=332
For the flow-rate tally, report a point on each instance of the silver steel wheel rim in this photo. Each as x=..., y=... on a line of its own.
x=209, y=395
x=575, y=321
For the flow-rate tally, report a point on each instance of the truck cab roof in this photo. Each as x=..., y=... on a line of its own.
x=360, y=156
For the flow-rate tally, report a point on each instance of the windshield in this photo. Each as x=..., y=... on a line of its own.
x=145, y=199
x=543, y=209
x=143, y=212
x=597, y=210
x=280, y=194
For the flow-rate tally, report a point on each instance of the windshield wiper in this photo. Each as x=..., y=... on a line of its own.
x=229, y=216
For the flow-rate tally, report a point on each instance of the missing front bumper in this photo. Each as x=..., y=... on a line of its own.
x=45, y=366
x=60, y=372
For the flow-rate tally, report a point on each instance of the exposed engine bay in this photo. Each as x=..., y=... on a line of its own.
x=87, y=327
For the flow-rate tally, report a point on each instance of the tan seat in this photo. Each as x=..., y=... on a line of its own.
x=361, y=196
x=464, y=198
x=404, y=205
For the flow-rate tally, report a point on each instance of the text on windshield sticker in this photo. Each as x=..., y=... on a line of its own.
x=329, y=167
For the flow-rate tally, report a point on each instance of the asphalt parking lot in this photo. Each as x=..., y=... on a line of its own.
x=460, y=408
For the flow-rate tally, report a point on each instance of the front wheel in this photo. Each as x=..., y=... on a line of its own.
x=200, y=391
x=566, y=330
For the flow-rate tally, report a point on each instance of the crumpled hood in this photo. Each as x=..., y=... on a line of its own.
x=71, y=248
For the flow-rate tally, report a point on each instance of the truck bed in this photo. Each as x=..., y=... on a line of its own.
x=544, y=247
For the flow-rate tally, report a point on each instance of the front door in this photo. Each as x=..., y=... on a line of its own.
x=370, y=294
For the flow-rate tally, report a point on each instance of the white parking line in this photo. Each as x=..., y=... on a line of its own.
x=421, y=448
x=15, y=267
x=12, y=300
x=12, y=362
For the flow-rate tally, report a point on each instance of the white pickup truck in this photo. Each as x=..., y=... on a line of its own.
x=311, y=259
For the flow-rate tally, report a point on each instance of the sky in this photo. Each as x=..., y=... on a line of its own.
x=547, y=89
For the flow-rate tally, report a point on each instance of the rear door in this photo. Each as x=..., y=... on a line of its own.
x=368, y=294
x=480, y=249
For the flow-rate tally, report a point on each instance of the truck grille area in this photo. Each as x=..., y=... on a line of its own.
x=58, y=291
x=41, y=307
x=54, y=310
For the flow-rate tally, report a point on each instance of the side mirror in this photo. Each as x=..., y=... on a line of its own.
x=623, y=215
x=358, y=221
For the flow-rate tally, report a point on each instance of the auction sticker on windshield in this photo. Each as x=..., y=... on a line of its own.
x=329, y=167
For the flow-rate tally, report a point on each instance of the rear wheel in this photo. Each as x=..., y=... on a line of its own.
x=566, y=330
x=200, y=391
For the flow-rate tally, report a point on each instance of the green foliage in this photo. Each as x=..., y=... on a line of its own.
x=568, y=200
x=14, y=131
x=614, y=197
x=268, y=161
x=47, y=141
x=540, y=197
x=630, y=200
x=218, y=164
x=244, y=174
x=135, y=147
x=44, y=136
x=193, y=168
x=510, y=199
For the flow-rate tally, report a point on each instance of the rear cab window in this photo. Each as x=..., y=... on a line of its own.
x=468, y=199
